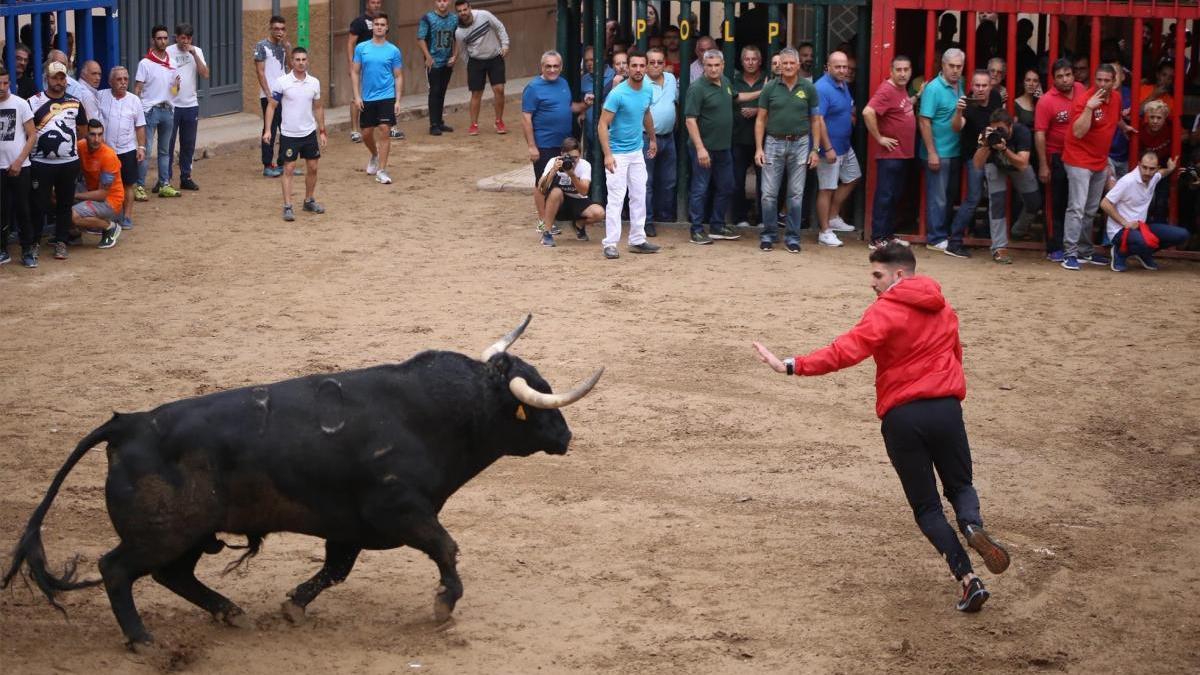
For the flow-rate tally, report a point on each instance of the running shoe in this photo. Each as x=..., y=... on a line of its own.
x=396, y=134
x=126, y=223
x=1118, y=264
x=723, y=232
x=60, y=250
x=548, y=240
x=272, y=171
x=109, y=238
x=1055, y=256
x=699, y=237
x=372, y=165
x=973, y=596
x=188, y=184
x=765, y=245
x=994, y=555
x=445, y=128
x=1146, y=261
x=312, y=206
x=581, y=231
x=381, y=176
x=139, y=191
x=651, y=230
x=1070, y=262
x=877, y=244
x=644, y=247
x=793, y=246
x=611, y=252
x=435, y=131
x=1001, y=257
x=5, y=258
x=838, y=225
x=957, y=251
x=939, y=247
x=29, y=258
x=165, y=190
x=355, y=137
x=288, y=214
x=828, y=238
x=500, y=128
x=473, y=130
x=1096, y=259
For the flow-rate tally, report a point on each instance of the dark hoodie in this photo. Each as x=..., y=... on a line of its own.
x=913, y=334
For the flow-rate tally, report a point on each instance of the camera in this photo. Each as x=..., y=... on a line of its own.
x=996, y=136
x=568, y=162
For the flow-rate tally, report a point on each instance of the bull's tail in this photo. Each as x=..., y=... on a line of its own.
x=29, y=550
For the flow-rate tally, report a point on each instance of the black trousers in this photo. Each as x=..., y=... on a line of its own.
x=743, y=163
x=57, y=180
x=922, y=437
x=439, y=80
x=1058, y=194
x=15, y=193
x=268, y=148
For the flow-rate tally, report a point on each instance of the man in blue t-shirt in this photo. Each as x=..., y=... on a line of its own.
x=435, y=34
x=838, y=172
x=377, y=82
x=546, y=111
x=625, y=117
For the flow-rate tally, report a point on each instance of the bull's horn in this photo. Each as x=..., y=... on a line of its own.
x=532, y=397
x=505, y=342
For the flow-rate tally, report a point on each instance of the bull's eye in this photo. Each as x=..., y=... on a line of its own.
x=521, y=412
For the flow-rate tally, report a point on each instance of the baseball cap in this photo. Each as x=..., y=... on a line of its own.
x=55, y=68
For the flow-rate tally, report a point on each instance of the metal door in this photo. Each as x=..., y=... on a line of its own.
x=218, y=31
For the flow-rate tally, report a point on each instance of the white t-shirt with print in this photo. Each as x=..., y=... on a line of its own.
x=582, y=170
x=185, y=66
x=14, y=113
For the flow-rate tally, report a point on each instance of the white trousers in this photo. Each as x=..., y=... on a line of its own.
x=630, y=177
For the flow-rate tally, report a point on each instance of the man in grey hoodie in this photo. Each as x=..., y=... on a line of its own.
x=486, y=44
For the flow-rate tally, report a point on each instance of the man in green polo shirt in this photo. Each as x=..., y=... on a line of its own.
x=788, y=119
x=747, y=85
x=709, y=118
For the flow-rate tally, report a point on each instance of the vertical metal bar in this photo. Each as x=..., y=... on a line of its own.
x=969, y=65
x=1156, y=40
x=588, y=21
x=112, y=37
x=683, y=168
x=10, y=49
x=772, y=40
x=1176, y=117
x=1011, y=71
x=85, y=45
x=1042, y=34
x=641, y=31
x=862, y=84
x=598, y=21
x=820, y=39
x=1094, y=49
x=704, y=27
x=574, y=26
x=1054, y=51
x=35, y=59
x=1048, y=209
x=729, y=39
x=562, y=17
x=60, y=31
x=1135, y=104
x=275, y=7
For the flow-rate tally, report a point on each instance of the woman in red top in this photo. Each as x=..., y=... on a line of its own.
x=912, y=332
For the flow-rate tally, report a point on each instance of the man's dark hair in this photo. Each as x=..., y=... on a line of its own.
x=158, y=27
x=900, y=58
x=895, y=254
x=635, y=54
x=277, y=19
x=381, y=15
x=806, y=43
x=95, y=124
x=461, y=2
x=183, y=29
x=299, y=50
x=569, y=144
x=1106, y=68
x=671, y=29
x=22, y=47
x=1060, y=64
x=3, y=70
x=1001, y=115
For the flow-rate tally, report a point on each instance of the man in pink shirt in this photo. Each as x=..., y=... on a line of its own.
x=1051, y=119
x=891, y=122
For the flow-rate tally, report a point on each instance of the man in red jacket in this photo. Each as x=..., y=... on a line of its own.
x=913, y=334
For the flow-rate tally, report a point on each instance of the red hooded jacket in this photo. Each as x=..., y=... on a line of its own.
x=913, y=334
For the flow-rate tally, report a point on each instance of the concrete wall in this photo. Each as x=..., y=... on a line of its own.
x=255, y=15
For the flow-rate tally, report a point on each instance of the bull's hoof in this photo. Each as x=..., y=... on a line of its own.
x=443, y=610
x=293, y=613
x=144, y=646
x=235, y=617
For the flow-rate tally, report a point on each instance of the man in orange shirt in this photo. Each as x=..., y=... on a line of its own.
x=96, y=209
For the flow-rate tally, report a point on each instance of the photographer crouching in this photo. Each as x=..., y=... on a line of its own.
x=565, y=181
x=1003, y=153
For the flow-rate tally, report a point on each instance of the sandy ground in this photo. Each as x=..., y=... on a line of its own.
x=711, y=517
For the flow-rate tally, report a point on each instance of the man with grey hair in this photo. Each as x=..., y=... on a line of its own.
x=125, y=132
x=696, y=70
x=74, y=87
x=788, y=117
x=940, y=120
x=546, y=113
x=90, y=74
x=708, y=113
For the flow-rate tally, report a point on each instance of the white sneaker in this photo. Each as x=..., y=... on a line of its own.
x=743, y=224
x=828, y=238
x=382, y=177
x=898, y=240
x=940, y=246
x=373, y=165
x=838, y=225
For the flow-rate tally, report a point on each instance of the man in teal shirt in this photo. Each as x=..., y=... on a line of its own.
x=624, y=122
x=940, y=121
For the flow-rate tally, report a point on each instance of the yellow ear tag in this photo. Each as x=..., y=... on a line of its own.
x=521, y=412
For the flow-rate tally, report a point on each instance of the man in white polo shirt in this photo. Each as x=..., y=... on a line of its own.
x=157, y=82
x=124, y=131
x=189, y=62
x=1126, y=206
x=301, y=128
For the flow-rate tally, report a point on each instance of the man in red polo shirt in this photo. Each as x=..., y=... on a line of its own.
x=96, y=209
x=890, y=120
x=1094, y=118
x=912, y=332
x=1051, y=119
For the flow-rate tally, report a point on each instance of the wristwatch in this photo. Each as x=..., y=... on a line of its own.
x=790, y=364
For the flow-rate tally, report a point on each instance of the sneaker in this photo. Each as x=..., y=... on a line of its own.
x=610, y=252
x=994, y=555
x=743, y=224
x=126, y=223
x=973, y=596
x=765, y=245
x=581, y=232
x=651, y=231
x=792, y=246
x=1117, y=264
x=1070, y=262
x=435, y=131
x=109, y=238
x=555, y=229
x=473, y=130
x=839, y=225
x=548, y=240
x=396, y=134
x=644, y=247
x=165, y=190
x=29, y=259
x=372, y=165
x=939, y=247
x=828, y=238
x=60, y=250
x=500, y=128
x=723, y=232
x=272, y=171
x=898, y=240
x=381, y=176
x=540, y=226
x=188, y=184
x=957, y=251
x=1055, y=256
x=699, y=237
x=877, y=244
x=139, y=191
x=5, y=258
x=288, y=214
x=1146, y=261
x=297, y=171
x=155, y=188
x=312, y=206
x=355, y=137
x=446, y=128
x=1096, y=259
x=1001, y=257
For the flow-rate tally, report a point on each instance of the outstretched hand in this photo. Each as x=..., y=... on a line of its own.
x=766, y=356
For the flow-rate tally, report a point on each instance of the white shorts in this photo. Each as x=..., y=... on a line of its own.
x=844, y=170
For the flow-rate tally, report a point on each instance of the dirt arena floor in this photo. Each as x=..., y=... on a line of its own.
x=711, y=516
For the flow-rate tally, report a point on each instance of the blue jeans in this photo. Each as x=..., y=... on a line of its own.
x=160, y=120
x=889, y=184
x=1168, y=235
x=941, y=187
x=720, y=175
x=661, y=179
x=965, y=216
x=781, y=156
x=187, y=121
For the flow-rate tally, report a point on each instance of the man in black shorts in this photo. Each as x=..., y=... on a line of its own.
x=565, y=181
x=302, y=129
x=378, y=78
x=486, y=42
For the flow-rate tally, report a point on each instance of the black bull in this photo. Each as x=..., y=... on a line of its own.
x=364, y=459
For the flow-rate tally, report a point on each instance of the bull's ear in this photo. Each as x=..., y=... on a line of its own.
x=521, y=412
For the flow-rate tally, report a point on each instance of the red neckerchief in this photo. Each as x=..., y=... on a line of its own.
x=165, y=62
x=1147, y=236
